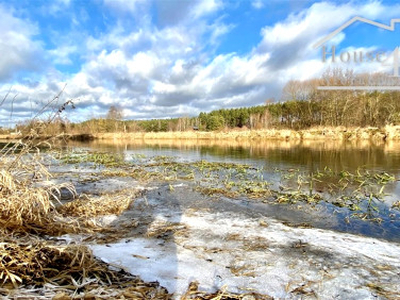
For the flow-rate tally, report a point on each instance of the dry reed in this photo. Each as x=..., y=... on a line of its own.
x=86, y=207
x=71, y=269
x=30, y=211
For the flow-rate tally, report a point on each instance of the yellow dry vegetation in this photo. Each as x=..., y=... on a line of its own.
x=387, y=133
x=31, y=212
x=86, y=207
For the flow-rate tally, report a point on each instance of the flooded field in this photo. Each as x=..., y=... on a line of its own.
x=355, y=184
x=270, y=219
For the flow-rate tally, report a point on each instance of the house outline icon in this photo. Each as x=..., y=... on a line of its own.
x=353, y=20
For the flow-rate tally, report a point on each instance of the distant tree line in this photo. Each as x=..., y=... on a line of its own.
x=303, y=106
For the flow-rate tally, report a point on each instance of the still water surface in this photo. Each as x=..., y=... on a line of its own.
x=309, y=155
x=306, y=155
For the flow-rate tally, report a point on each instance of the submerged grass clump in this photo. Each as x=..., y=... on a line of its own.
x=396, y=205
x=97, y=158
x=361, y=192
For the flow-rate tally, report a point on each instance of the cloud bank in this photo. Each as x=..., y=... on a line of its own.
x=160, y=59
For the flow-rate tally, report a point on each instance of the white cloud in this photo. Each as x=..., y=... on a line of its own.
x=172, y=70
x=57, y=7
x=19, y=52
x=205, y=7
x=257, y=4
x=130, y=6
x=307, y=26
x=172, y=75
x=61, y=55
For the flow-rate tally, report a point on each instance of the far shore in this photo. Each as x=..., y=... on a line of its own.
x=387, y=133
x=325, y=133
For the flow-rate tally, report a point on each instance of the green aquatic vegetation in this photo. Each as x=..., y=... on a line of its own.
x=396, y=205
x=344, y=181
x=288, y=174
x=139, y=173
x=365, y=216
x=75, y=157
x=365, y=178
x=253, y=189
x=360, y=192
x=371, y=204
x=216, y=166
x=350, y=201
x=143, y=174
x=163, y=159
x=98, y=158
x=297, y=196
x=211, y=191
x=107, y=159
x=189, y=176
x=138, y=156
x=114, y=173
x=354, y=207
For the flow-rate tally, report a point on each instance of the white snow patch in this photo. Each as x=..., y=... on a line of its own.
x=227, y=249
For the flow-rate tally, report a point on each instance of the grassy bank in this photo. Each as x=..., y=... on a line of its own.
x=317, y=133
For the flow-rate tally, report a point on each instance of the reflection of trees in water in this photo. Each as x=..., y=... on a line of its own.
x=311, y=155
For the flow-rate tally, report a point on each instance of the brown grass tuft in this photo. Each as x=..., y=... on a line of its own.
x=86, y=207
x=70, y=270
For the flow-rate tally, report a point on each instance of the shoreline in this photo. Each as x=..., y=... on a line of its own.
x=323, y=133
x=388, y=133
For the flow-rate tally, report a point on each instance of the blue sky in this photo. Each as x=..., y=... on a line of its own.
x=171, y=58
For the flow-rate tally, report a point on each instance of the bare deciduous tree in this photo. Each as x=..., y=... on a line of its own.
x=115, y=113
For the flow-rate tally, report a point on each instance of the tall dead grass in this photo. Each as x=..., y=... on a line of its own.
x=30, y=211
x=25, y=204
x=86, y=207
